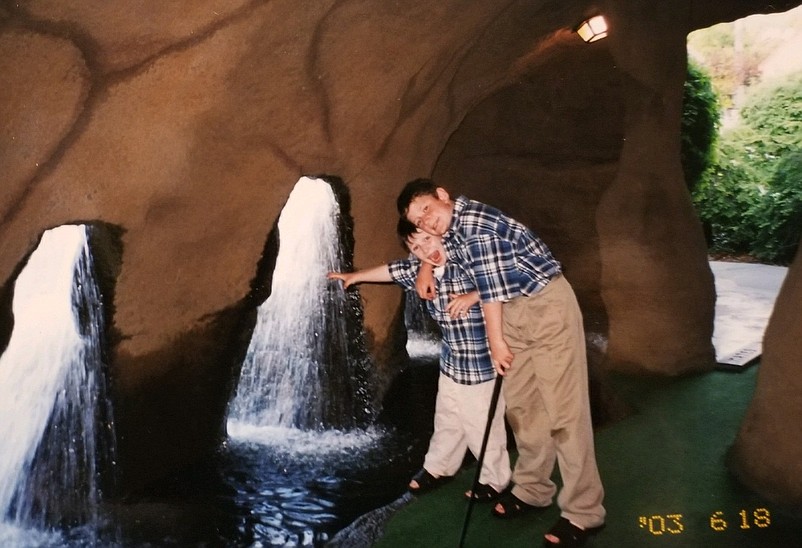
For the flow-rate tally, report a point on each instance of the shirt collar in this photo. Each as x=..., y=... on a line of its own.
x=451, y=235
x=459, y=204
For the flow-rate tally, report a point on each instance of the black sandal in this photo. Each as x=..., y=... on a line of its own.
x=569, y=535
x=426, y=482
x=513, y=507
x=483, y=493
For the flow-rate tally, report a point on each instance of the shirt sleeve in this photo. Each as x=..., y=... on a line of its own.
x=492, y=264
x=404, y=272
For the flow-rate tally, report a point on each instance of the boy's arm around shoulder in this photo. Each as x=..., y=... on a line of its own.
x=424, y=283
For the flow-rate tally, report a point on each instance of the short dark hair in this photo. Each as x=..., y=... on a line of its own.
x=404, y=229
x=413, y=189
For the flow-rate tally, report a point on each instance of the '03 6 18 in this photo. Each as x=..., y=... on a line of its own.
x=672, y=524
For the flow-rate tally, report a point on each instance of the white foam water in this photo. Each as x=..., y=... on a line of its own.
x=298, y=372
x=52, y=392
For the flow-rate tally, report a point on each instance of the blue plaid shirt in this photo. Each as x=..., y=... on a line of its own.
x=505, y=257
x=465, y=352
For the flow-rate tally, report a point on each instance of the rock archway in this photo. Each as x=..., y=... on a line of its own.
x=184, y=126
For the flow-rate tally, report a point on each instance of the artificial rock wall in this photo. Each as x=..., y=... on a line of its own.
x=184, y=125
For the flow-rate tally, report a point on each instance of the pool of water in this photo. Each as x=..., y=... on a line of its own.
x=282, y=487
x=270, y=486
x=301, y=490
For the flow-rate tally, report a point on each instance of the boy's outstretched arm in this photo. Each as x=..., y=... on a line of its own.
x=500, y=353
x=376, y=274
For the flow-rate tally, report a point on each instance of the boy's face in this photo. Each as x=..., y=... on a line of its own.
x=427, y=248
x=431, y=214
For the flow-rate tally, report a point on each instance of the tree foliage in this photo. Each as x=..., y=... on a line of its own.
x=751, y=196
x=730, y=58
x=778, y=218
x=700, y=123
x=775, y=113
x=734, y=54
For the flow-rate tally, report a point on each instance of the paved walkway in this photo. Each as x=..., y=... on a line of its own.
x=745, y=298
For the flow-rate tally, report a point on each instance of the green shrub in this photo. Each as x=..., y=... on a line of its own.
x=700, y=122
x=775, y=113
x=778, y=221
x=750, y=198
x=723, y=199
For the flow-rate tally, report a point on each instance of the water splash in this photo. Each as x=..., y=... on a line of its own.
x=304, y=369
x=297, y=444
x=56, y=427
x=423, y=334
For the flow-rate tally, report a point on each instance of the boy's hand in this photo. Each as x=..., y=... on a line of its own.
x=501, y=355
x=348, y=278
x=458, y=305
x=424, y=283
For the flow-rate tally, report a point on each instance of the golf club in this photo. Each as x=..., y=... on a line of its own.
x=480, y=460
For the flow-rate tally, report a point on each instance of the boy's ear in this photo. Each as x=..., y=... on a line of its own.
x=442, y=194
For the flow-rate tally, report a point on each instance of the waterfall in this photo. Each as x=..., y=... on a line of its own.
x=423, y=333
x=305, y=367
x=56, y=429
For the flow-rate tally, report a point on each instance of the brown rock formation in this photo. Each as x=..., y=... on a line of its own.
x=186, y=125
x=766, y=454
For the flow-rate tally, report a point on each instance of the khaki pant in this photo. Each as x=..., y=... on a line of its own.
x=460, y=419
x=548, y=406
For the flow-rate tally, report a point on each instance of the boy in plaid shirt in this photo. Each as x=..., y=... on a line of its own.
x=536, y=337
x=464, y=387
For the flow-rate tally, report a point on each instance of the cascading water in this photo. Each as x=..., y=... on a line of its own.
x=423, y=334
x=304, y=394
x=303, y=369
x=56, y=432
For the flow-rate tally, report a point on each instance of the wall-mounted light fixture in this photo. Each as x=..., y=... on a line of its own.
x=592, y=29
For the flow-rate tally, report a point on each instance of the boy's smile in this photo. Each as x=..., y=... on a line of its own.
x=431, y=214
x=427, y=248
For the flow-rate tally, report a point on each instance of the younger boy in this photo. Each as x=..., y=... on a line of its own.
x=464, y=387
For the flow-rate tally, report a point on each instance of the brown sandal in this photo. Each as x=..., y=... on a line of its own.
x=569, y=535
x=427, y=482
x=483, y=493
x=513, y=507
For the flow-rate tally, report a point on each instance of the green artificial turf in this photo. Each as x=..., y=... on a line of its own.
x=664, y=475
